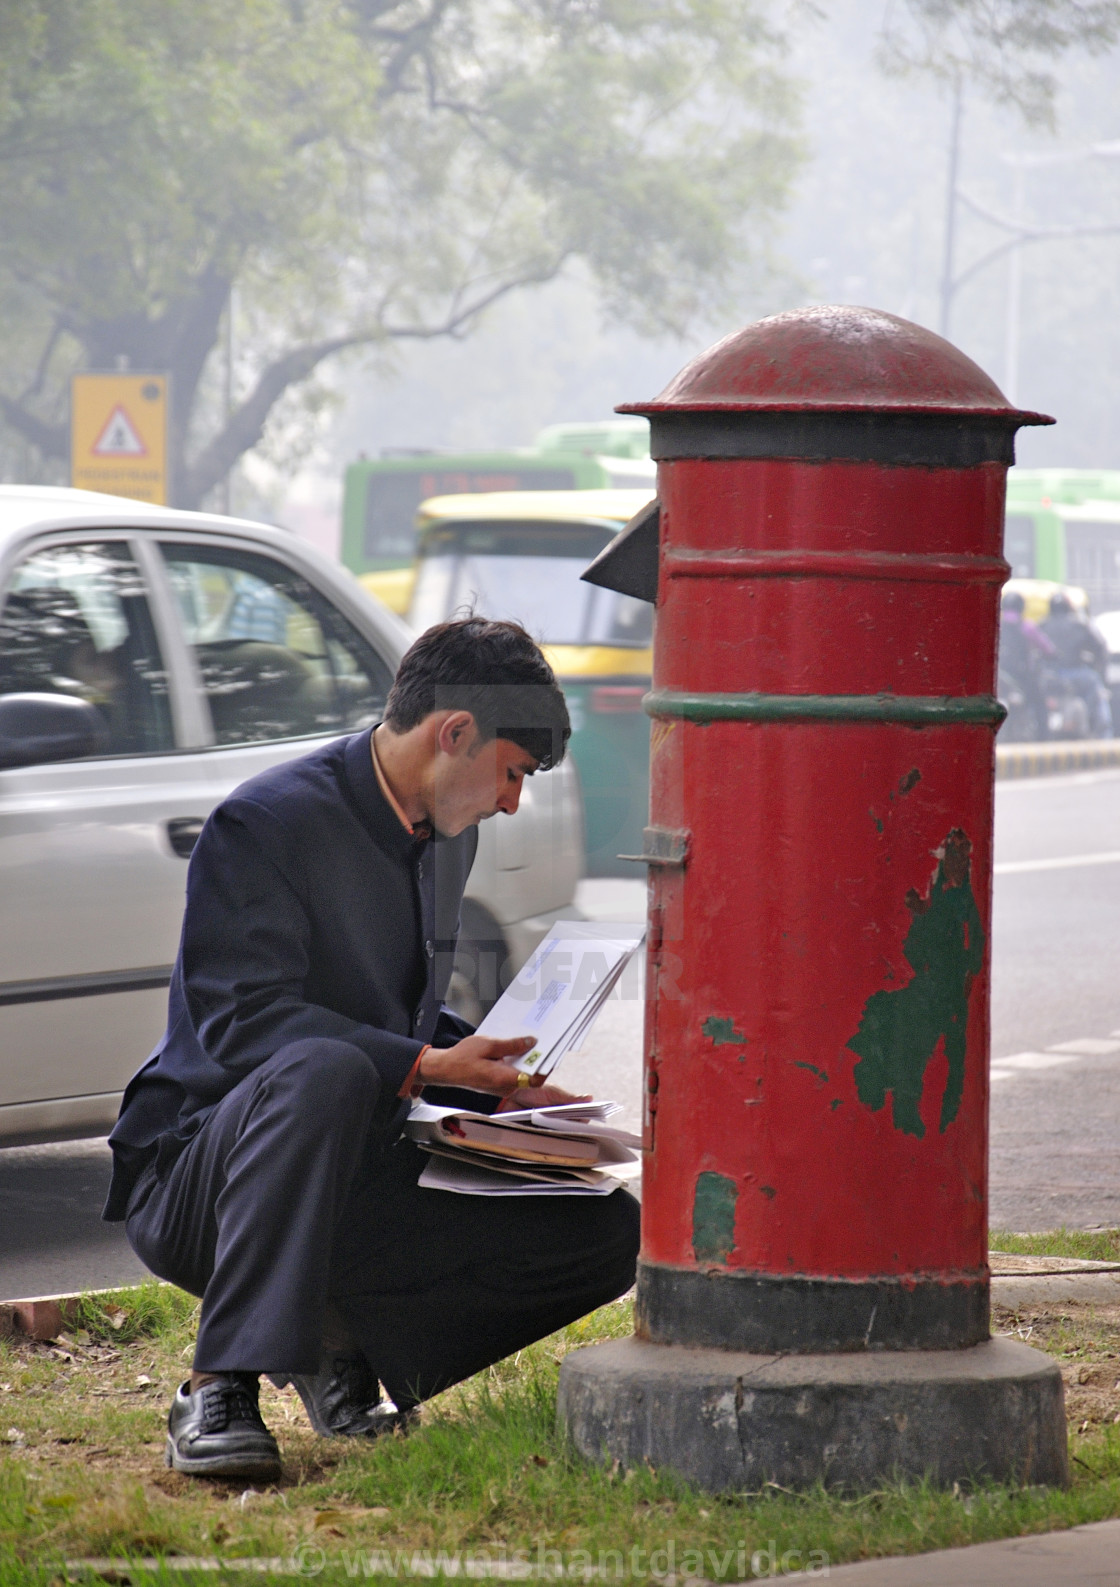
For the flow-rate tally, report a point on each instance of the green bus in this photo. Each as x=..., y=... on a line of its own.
x=1063, y=524
x=380, y=497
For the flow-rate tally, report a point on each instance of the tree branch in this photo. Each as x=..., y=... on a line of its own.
x=246, y=424
x=458, y=319
x=1021, y=239
x=36, y=385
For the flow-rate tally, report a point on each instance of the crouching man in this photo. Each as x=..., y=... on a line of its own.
x=258, y=1158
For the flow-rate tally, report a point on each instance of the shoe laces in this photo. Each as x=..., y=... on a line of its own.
x=226, y=1403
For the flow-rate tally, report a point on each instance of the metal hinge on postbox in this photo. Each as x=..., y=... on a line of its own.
x=662, y=846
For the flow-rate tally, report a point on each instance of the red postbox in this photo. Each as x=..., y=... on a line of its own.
x=831, y=487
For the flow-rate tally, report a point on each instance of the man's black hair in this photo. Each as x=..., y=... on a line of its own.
x=494, y=670
x=1013, y=602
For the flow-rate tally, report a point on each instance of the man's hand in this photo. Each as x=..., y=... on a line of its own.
x=542, y=1096
x=476, y=1063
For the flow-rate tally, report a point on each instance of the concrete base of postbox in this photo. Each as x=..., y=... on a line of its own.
x=730, y=1421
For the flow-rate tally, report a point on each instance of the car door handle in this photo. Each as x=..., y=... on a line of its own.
x=183, y=833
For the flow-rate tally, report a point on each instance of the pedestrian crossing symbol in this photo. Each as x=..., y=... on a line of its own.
x=118, y=435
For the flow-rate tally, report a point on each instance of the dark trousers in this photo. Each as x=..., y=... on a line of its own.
x=290, y=1197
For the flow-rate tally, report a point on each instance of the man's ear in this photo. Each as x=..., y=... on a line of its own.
x=457, y=733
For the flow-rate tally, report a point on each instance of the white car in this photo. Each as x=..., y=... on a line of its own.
x=150, y=661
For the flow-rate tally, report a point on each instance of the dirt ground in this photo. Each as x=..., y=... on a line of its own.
x=76, y=1400
x=1086, y=1341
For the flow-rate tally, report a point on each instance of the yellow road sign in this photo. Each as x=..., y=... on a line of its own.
x=118, y=435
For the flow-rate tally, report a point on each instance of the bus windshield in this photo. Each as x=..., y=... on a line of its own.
x=528, y=571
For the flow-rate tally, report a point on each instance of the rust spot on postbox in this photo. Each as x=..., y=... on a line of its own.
x=713, y=1217
x=722, y=1032
x=901, y=1029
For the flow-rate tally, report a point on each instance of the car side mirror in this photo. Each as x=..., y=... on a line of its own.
x=36, y=729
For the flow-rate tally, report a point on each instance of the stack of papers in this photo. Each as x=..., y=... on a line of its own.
x=567, y=1150
x=560, y=991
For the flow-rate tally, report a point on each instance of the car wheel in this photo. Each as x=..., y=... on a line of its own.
x=481, y=970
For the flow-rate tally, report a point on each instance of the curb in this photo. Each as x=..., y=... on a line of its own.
x=1052, y=1280
x=1041, y=1289
x=42, y=1317
x=34, y=1319
x=1047, y=760
x=1082, y=1554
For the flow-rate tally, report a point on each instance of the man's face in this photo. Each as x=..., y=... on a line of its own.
x=474, y=780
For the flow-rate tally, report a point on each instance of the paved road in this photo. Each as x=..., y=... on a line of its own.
x=1055, y=984
x=1055, y=1115
x=52, y=1240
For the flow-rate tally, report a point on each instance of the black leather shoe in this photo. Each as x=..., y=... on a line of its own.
x=218, y=1432
x=343, y=1400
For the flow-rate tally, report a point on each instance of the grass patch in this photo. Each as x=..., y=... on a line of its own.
x=146, y=1311
x=1092, y=1245
x=486, y=1476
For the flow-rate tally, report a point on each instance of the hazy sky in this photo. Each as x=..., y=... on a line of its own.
x=866, y=225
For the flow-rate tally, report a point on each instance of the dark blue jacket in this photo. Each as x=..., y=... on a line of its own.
x=311, y=911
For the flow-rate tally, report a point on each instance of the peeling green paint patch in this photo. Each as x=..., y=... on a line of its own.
x=875, y=818
x=713, y=1217
x=799, y=1063
x=911, y=780
x=901, y=1029
x=768, y=1191
x=837, y=1102
x=722, y=1032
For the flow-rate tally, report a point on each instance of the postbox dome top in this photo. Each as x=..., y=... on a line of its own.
x=835, y=358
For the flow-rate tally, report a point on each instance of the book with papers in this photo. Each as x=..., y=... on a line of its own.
x=471, y=1179
x=560, y=991
x=575, y=1150
x=464, y=1130
x=519, y=1170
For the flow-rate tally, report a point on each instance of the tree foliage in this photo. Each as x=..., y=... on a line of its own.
x=1006, y=47
x=365, y=172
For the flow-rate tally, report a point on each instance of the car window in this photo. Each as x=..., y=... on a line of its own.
x=75, y=621
x=529, y=572
x=277, y=659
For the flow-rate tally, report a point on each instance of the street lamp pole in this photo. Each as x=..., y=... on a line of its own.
x=1014, y=290
x=947, y=283
x=1020, y=232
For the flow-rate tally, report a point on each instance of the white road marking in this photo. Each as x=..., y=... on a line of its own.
x=1059, y=863
x=1067, y=779
x=1087, y=1046
x=1063, y=1052
x=1033, y=1060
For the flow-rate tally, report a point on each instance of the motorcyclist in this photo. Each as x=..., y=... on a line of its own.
x=1082, y=659
x=1023, y=652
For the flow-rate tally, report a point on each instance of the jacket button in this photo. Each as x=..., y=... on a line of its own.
x=429, y=949
x=418, y=1016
